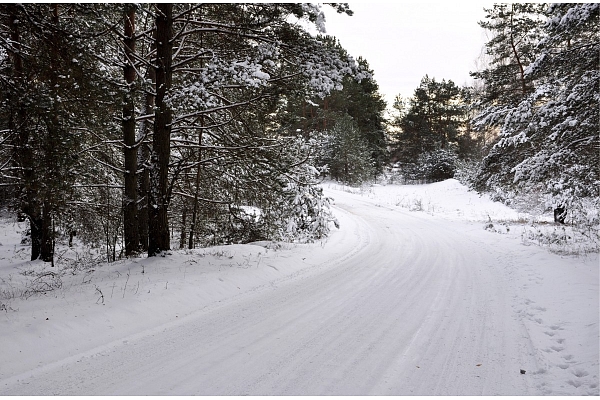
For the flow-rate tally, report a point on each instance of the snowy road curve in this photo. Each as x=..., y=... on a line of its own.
x=405, y=305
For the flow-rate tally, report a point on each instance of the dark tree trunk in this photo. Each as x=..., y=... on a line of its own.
x=35, y=223
x=53, y=126
x=143, y=194
x=198, y=170
x=197, y=188
x=516, y=54
x=143, y=159
x=159, y=239
x=130, y=223
x=23, y=154
x=183, y=227
x=47, y=245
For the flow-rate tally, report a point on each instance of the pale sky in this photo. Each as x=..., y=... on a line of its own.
x=404, y=41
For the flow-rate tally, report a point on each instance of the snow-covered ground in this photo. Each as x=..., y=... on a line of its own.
x=424, y=290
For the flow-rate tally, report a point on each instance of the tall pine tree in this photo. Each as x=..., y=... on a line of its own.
x=549, y=137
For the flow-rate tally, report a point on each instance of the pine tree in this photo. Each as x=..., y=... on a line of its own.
x=130, y=223
x=361, y=100
x=348, y=154
x=549, y=139
x=50, y=92
x=358, y=97
x=516, y=29
x=191, y=95
x=430, y=126
x=159, y=238
x=221, y=99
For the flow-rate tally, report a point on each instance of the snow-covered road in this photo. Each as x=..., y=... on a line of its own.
x=395, y=303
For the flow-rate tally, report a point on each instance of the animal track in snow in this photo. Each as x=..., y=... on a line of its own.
x=544, y=389
x=557, y=348
x=556, y=327
x=580, y=373
x=574, y=383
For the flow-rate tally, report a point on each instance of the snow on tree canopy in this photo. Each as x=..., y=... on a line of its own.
x=549, y=137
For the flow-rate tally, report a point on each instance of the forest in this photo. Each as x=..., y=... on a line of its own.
x=141, y=128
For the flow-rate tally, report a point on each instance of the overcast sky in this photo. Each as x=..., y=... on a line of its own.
x=404, y=41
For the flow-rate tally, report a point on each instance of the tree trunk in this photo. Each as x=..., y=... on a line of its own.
x=23, y=154
x=183, y=221
x=53, y=140
x=197, y=187
x=47, y=242
x=35, y=224
x=130, y=223
x=143, y=196
x=159, y=239
x=198, y=169
x=143, y=159
x=516, y=54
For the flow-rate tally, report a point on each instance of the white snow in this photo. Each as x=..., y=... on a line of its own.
x=414, y=295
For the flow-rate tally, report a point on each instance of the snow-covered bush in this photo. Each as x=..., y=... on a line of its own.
x=434, y=166
x=563, y=239
x=272, y=196
x=466, y=171
x=306, y=209
x=300, y=210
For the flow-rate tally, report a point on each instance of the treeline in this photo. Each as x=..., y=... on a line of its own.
x=145, y=127
x=124, y=124
x=432, y=131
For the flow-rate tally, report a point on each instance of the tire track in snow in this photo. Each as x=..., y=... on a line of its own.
x=412, y=308
x=29, y=382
